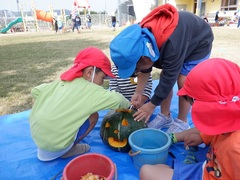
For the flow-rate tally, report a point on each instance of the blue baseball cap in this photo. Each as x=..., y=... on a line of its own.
x=129, y=45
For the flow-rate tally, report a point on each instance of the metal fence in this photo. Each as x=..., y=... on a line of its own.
x=124, y=14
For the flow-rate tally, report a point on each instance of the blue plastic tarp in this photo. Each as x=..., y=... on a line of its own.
x=18, y=153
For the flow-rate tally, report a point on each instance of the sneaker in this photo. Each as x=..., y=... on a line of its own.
x=178, y=126
x=161, y=121
x=77, y=149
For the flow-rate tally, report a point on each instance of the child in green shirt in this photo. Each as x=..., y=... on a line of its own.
x=66, y=110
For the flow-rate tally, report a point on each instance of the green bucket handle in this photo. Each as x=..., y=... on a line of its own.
x=130, y=153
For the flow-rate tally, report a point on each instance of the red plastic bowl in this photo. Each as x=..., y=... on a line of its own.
x=96, y=164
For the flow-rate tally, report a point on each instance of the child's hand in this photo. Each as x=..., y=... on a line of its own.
x=136, y=100
x=192, y=140
x=144, y=112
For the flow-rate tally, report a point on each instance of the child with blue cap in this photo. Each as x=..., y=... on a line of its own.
x=169, y=40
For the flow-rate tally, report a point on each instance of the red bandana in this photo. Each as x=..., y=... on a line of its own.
x=161, y=21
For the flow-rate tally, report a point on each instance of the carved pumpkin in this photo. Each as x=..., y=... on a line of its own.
x=117, y=126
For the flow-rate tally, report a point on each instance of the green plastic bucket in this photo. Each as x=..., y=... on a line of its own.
x=149, y=146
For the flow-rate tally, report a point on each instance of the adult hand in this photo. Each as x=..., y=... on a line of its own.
x=192, y=140
x=144, y=112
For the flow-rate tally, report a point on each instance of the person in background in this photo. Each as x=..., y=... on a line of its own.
x=55, y=25
x=114, y=22
x=216, y=19
x=170, y=40
x=77, y=23
x=127, y=86
x=60, y=26
x=66, y=110
x=73, y=17
x=238, y=26
x=89, y=21
x=215, y=114
x=238, y=18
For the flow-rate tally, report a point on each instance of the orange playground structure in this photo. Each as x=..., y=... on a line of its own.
x=44, y=16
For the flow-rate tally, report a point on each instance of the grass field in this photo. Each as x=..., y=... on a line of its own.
x=29, y=59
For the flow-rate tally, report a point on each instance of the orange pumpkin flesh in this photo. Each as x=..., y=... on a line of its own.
x=116, y=143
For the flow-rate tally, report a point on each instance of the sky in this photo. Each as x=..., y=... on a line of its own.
x=96, y=5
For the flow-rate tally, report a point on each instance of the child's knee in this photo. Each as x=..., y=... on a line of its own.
x=144, y=171
x=93, y=118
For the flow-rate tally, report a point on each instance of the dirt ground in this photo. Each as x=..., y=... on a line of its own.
x=226, y=43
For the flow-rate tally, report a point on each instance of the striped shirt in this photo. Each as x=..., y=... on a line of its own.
x=127, y=86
